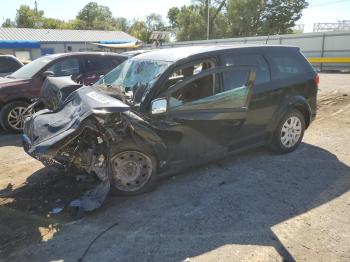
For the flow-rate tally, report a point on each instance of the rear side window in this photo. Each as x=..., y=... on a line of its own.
x=93, y=64
x=112, y=62
x=238, y=79
x=8, y=65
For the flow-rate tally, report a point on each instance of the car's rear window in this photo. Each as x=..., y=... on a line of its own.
x=8, y=65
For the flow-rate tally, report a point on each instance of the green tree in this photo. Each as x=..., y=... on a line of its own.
x=121, y=24
x=94, y=16
x=51, y=23
x=154, y=22
x=234, y=18
x=28, y=18
x=172, y=16
x=244, y=17
x=143, y=29
x=139, y=30
x=8, y=23
x=279, y=16
x=190, y=24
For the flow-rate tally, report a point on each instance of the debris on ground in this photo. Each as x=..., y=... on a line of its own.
x=94, y=198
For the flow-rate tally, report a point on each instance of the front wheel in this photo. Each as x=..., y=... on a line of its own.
x=133, y=172
x=289, y=132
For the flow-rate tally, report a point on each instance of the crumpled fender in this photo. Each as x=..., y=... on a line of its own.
x=47, y=131
x=142, y=133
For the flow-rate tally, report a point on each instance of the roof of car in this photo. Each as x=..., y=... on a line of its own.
x=174, y=54
x=3, y=55
x=12, y=57
x=53, y=56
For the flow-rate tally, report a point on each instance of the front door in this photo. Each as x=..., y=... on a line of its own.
x=204, y=115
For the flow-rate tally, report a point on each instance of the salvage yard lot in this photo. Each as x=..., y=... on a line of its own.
x=255, y=206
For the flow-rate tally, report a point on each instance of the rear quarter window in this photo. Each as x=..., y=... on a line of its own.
x=288, y=63
x=237, y=79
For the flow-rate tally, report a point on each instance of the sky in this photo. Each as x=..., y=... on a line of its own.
x=320, y=11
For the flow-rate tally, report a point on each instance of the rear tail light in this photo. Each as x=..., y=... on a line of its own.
x=317, y=79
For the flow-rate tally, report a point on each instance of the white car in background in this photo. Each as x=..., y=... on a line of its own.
x=9, y=64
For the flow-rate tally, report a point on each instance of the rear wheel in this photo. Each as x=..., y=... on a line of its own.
x=13, y=115
x=289, y=132
x=133, y=171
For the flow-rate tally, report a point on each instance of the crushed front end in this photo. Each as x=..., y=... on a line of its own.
x=78, y=135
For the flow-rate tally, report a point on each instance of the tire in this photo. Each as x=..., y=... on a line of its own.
x=289, y=132
x=10, y=112
x=141, y=175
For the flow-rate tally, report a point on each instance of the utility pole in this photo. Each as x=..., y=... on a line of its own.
x=208, y=18
x=37, y=23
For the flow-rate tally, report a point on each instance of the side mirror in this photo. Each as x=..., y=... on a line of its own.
x=48, y=73
x=159, y=106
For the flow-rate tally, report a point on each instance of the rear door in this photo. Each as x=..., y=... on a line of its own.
x=204, y=115
x=265, y=95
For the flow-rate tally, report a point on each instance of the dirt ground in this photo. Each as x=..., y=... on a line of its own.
x=255, y=206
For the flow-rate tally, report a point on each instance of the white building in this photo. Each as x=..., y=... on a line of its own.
x=29, y=44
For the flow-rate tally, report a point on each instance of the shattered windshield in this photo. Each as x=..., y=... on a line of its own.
x=133, y=78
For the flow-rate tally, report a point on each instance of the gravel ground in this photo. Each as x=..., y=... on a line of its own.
x=255, y=206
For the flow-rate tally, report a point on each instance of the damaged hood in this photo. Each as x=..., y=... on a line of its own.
x=46, y=131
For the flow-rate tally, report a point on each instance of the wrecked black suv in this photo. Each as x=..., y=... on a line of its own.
x=165, y=110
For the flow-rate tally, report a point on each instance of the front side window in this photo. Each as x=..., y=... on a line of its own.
x=133, y=77
x=66, y=67
x=187, y=71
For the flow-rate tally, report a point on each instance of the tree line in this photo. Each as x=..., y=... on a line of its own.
x=227, y=18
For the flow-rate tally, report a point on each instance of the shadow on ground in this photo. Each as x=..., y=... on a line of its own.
x=8, y=139
x=235, y=201
x=25, y=211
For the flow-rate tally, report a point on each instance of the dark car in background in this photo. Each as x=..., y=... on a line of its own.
x=18, y=89
x=9, y=64
x=165, y=110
